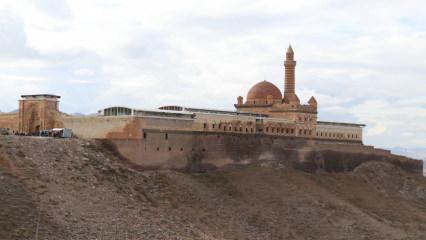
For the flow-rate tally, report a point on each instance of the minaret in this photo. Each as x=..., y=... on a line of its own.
x=289, y=65
x=290, y=82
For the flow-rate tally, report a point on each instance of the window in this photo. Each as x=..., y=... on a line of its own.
x=305, y=132
x=170, y=149
x=181, y=149
x=292, y=130
x=267, y=129
x=241, y=129
x=300, y=131
x=213, y=125
x=158, y=149
x=205, y=125
x=166, y=136
x=144, y=135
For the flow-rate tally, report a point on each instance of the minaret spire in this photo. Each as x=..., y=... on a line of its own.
x=290, y=82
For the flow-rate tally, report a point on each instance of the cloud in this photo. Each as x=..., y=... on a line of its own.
x=363, y=61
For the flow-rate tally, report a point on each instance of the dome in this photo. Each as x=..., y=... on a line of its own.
x=262, y=90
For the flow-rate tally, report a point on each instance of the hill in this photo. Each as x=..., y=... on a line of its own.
x=76, y=189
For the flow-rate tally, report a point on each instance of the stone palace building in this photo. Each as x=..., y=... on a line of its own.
x=269, y=124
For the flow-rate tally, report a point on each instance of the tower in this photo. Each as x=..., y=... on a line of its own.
x=38, y=112
x=289, y=81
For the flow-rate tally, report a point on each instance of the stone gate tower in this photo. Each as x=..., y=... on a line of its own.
x=38, y=112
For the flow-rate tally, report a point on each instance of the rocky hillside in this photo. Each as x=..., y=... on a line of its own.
x=75, y=189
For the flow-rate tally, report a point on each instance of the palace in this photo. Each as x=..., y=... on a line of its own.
x=268, y=125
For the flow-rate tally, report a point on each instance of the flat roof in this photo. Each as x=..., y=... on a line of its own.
x=341, y=124
x=155, y=111
x=40, y=95
x=214, y=111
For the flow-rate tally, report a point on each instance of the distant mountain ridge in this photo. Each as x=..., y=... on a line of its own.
x=419, y=153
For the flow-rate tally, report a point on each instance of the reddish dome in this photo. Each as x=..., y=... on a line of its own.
x=261, y=90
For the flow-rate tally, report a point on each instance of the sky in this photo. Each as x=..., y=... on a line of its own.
x=364, y=61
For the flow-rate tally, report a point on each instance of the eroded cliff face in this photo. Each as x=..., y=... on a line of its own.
x=76, y=189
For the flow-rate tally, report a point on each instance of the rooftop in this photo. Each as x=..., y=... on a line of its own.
x=341, y=124
x=41, y=96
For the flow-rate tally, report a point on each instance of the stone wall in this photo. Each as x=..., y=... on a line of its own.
x=201, y=150
x=9, y=120
x=97, y=127
x=121, y=127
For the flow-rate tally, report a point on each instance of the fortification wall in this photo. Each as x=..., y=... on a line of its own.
x=121, y=127
x=197, y=151
x=95, y=127
x=10, y=121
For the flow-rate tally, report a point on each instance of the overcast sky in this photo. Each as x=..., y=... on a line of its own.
x=364, y=61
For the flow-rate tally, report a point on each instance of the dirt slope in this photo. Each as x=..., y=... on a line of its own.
x=75, y=189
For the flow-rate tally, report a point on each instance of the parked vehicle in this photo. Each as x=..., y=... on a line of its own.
x=61, y=132
x=4, y=131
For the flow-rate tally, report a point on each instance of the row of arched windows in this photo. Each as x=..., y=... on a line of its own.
x=306, y=118
x=279, y=130
x=337, y=135
x=226, y=127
